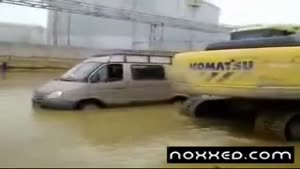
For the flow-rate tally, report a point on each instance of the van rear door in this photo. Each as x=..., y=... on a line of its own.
x=148, y=83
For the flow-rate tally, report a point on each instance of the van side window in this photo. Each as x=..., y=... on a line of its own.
x=108, y=73
x=148, y=72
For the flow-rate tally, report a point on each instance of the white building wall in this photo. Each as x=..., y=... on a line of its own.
x=206, y=12
x=96, y=32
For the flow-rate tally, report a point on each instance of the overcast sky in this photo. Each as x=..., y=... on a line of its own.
x=245, y=12
x=234, y=12
x=23, y=15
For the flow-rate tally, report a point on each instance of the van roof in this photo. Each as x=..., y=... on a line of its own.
x=137, y=53
x=279, y=41
x=130, y=56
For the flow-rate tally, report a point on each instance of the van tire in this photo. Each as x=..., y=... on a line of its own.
x=179, y=99
x=83, y=104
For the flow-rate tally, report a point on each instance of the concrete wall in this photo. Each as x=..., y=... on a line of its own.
x=28, y=50
x=41, y=56
x=44, y=57
x=36, y=63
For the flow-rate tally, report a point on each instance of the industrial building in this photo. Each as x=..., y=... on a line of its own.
x=79, y=30
x=132, y=24
x=20, y=33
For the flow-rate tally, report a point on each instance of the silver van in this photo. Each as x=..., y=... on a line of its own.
x=110, y=79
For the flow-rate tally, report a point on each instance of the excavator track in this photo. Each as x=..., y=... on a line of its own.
x=282, y=126
x=268, y=123
x=201, y=106
x=189, y=106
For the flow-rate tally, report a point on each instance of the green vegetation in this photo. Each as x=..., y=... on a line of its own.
x=291, y=28
x=287, y=27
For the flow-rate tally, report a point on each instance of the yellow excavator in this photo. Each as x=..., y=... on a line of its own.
x=258, y=76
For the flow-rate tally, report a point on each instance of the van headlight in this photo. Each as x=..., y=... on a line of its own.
x=55, y=94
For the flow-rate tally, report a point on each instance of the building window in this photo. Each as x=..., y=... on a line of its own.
x=148, y=72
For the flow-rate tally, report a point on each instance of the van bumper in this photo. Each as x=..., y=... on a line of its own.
x=54, y=104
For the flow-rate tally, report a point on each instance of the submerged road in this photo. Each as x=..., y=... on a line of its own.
x=117, y=137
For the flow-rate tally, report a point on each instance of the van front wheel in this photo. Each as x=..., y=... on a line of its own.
x=88, y=104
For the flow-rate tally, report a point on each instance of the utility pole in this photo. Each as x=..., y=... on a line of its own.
x=69, y=29
x=134, y=26
x=55, y=25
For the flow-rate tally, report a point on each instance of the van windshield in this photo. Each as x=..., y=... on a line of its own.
x=80, y=72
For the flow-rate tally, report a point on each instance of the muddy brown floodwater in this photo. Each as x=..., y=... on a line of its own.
x=117, y=137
